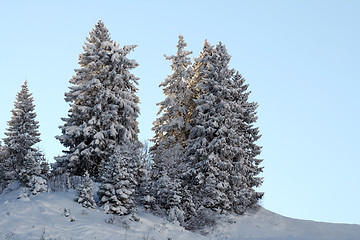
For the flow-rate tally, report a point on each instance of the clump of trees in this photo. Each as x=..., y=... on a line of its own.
x=204, y=152
x=204, y=148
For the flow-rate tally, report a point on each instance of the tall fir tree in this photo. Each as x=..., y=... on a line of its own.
x=243, y=194
x=171, y=128
x=171, y=131
x=220, y=153
x=22, y=159
x=103, y=105
x=197, y=75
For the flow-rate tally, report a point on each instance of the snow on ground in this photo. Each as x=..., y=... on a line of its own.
x=261, y=224
x=44, y=217
x=55, y=216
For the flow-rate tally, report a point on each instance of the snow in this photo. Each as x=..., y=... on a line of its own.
x=47, y=212
x=261, y=224
x=57, y=216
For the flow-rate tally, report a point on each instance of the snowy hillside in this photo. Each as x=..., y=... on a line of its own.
x=56, y=216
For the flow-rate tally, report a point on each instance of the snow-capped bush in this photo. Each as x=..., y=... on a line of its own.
x=37, y=185
x=203, y=218
x=85, y=193
x=116, y=199
x=119, y=177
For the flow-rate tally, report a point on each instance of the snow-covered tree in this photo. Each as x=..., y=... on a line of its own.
x=168, y=198
x=245, y=161
x=119, y=181
x=103, y=105
x=37, y=184
x=45, y=169
x=171, y=128
x=220, y=150
x=145, y=187
x=2, y=167
x=204, y=145
x=22, y=159
x=85, y=192
x=171, y=131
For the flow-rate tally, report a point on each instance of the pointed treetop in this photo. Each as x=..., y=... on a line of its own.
x=240, y=80
x=180, y=61
x=180, y=49
x=23, y=103
x=221, y=50
x=181, y=45
x=99, y=33
x=206, y=51
x=24, y=86
x=181, y=39
x=24, y=99
x=206, y=45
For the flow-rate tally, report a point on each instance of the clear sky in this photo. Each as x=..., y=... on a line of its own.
x=300, y=58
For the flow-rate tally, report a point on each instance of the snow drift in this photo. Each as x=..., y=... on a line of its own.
x=57, y=216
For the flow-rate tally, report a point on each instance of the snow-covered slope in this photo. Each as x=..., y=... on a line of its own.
x=56, y=216
x=261, y=224
x=45, y=217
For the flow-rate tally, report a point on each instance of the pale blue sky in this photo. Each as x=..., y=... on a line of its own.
x=301, y=59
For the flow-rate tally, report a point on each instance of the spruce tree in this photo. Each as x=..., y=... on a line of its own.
x=171, y=127
x=119, y=177
x=103, y=105
x=171, y=131
x=245, y=161
x=2, y=167
x=203, y=145
x=22, y=159
x=85, y=194
x=145, y=186
x=220, y=150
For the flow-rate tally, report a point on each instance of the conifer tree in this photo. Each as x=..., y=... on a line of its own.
x=220, y=150
x=171, y=131
x=2, y=167
x=2, y=151
x=103, y=105
x=85, y=194
x=245, y=161
x=145, y=186
x=22, y=159
x=171, y=128
x=119, y=178
x=198, y=67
